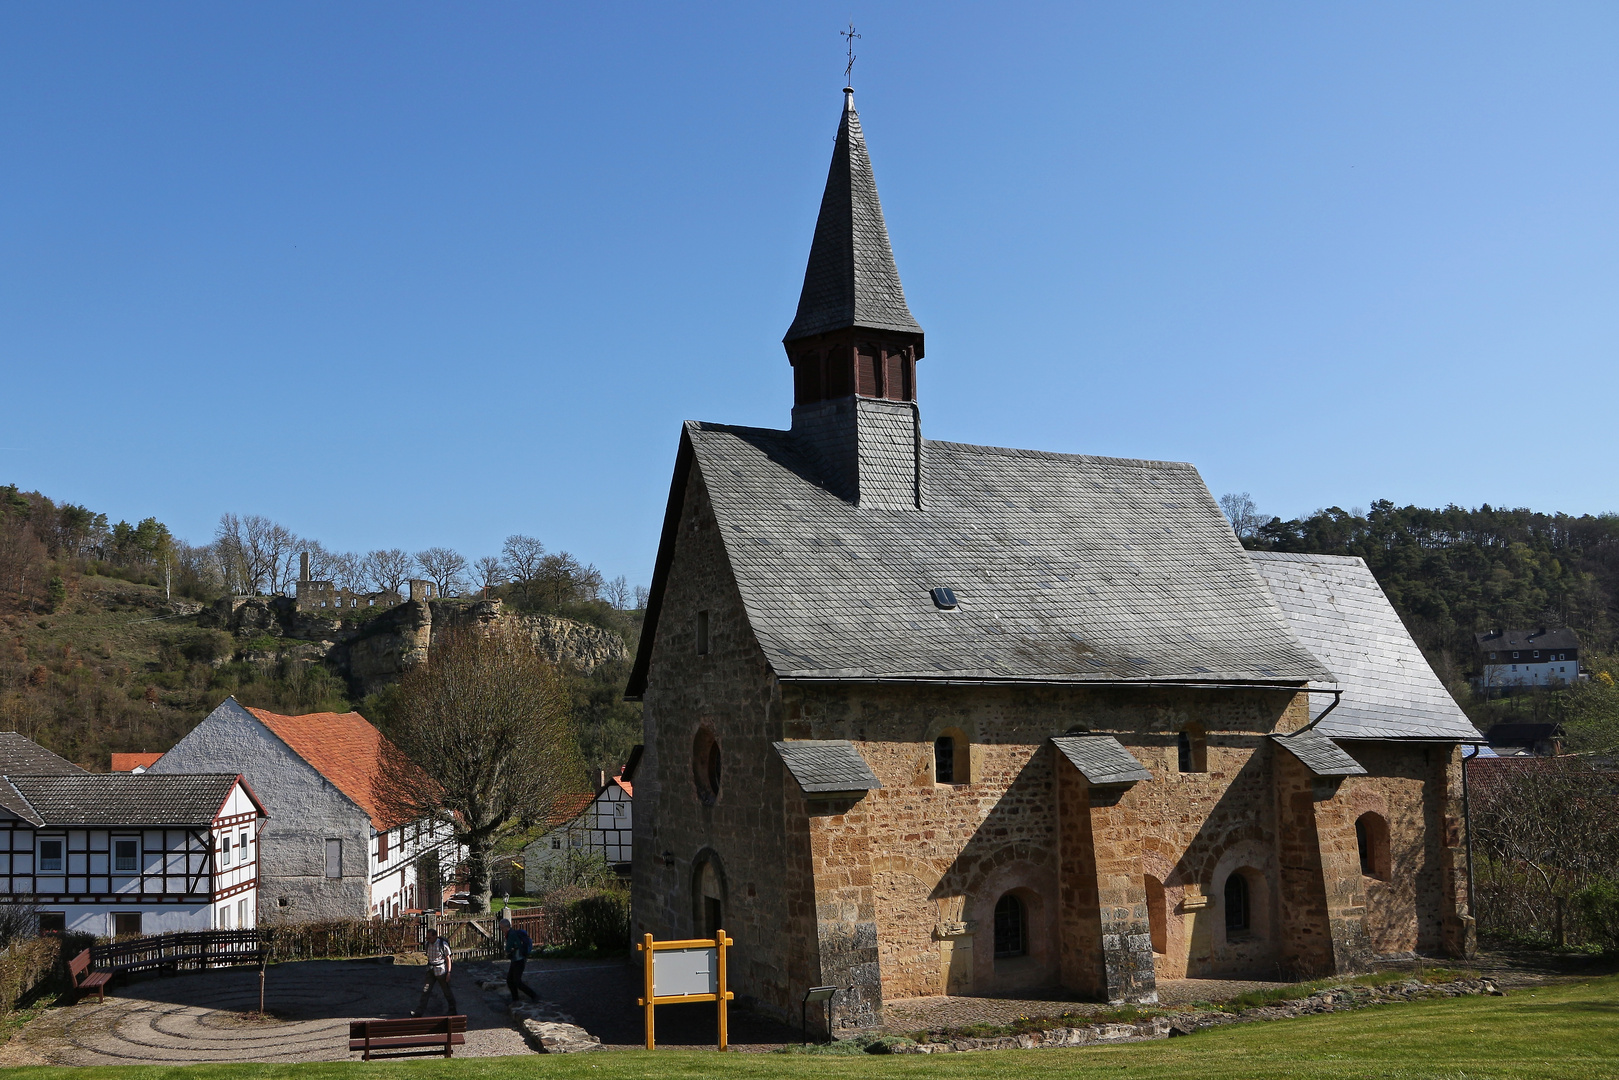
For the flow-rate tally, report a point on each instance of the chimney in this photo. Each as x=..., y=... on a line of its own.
x=601, y=779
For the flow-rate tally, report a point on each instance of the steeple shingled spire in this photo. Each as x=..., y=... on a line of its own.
x=851, y=280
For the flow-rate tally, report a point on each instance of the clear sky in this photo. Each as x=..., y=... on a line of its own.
x=409, y=274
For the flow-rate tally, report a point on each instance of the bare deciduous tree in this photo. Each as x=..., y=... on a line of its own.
x=387, y=571
x=617, y=592
x=444, y=567
x=490, y=571
x=642, y=595
x=1244, y=516
x=258, y=554
x=523, y=555
x=484, y=741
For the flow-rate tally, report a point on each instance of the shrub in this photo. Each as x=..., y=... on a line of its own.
x=25, y=965
x=1597, y=905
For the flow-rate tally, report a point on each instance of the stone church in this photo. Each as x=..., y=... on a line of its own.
x=925, y=717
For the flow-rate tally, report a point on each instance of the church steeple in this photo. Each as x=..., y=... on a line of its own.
x=854, y=345
x=854, y=333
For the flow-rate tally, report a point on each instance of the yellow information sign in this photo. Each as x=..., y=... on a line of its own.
x=685, y=971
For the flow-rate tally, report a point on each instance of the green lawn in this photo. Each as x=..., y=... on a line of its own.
x=1562, y=1032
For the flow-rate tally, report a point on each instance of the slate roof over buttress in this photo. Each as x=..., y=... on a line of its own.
x=1320, y=754
x=342, y=747
x=1340, y=612
x=1102, y=759
x=1066, y=568
x=827, y=766
x=851, y=279
x=132, y=799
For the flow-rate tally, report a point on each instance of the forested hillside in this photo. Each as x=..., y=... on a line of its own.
x=101, y=650
x=1455, y=572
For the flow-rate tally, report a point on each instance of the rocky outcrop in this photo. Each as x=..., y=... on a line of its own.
x=373, y=651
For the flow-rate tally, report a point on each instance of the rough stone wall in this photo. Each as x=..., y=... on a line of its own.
x=758, y=859
x=305, y=810
x=942, y=855
x=1416, y=789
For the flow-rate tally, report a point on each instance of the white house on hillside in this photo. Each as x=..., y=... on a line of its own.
x=121, y=853
x=329, y=849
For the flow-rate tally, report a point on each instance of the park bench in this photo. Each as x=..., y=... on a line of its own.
x=403, y=1038
x=84, y=979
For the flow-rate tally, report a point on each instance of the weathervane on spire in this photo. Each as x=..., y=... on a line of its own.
x=848, y=70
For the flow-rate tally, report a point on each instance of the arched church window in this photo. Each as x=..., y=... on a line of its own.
x=1372, y=838
x=705, y=765
x=1157, y=915
x=944, y=760
x=1010, y=937
x=1236, y=903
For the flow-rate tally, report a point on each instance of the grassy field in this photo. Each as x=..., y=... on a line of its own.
x=1559, y=1032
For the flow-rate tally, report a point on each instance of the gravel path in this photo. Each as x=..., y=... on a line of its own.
x=201, y=1017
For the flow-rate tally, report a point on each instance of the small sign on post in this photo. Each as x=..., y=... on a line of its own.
x=685, y=971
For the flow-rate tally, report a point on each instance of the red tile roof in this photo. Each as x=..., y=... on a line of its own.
x=569, y=807
x=342, y=747
x=629, y=788
x=131, y=762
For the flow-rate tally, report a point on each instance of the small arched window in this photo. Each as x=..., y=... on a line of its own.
x=944, y=760
x=1010, y=938
x=1372, y=838
x=1236, y=903
x=1191, y=754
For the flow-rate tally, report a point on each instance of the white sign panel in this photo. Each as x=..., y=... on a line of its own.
x=685, y=971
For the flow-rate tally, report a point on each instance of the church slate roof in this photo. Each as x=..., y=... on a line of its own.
x=851, y=279
x=1340, y=612
x=827, y=766
x=130, y=799
x=1320, y=755
x=1101, y=759
x=1065, y=568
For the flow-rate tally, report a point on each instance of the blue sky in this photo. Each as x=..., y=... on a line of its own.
x=411, y=274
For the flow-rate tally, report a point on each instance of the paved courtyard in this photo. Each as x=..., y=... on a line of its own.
x=203, y=1017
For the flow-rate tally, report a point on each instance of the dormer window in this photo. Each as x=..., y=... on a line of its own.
x=1515, y=656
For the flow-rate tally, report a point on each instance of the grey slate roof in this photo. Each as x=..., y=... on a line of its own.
x=1066, y=568
x=1342, y=615
x=20, y=754
x=851, y=279
x=1101, y=758
x=1320, y=754
x=132, y=799
x=1521, y=640
x=827, y=766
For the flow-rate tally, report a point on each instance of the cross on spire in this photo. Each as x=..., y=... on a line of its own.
x=848, y=69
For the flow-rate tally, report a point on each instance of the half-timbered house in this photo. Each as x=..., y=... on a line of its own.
x=121, y=853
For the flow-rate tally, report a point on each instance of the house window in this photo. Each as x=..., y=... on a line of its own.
x=125, y=923
x=50, y=855
x=241, y=842
x=1537, y=654
x=1009, y=927
x=224, y=917
x=1236, y=903
x=52, y=922
x=224, y=850
x=702, y=633
x=241, y=914
x=556, y=843
x=1492, y=656
x=1515, y=656
x=944, y=760
x=125, y=854
x=334, y=858
x=382, y=846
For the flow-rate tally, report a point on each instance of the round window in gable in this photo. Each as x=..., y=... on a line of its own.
x=705, y=765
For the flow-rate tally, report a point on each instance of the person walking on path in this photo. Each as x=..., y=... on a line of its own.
x=439, y=962
x=518, y=947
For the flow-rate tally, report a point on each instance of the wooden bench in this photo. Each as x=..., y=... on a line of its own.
x=84, y=979
x=403, y=1038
